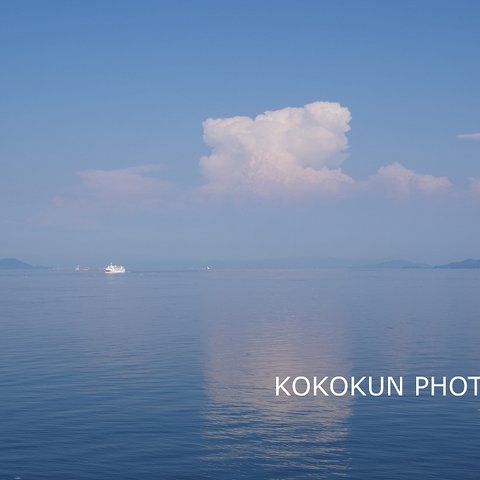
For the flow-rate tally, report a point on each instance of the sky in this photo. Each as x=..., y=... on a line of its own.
x=159, y=132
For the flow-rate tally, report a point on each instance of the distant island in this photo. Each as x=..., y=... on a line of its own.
x=468, y=263
x=15, y=264
x=393, y=264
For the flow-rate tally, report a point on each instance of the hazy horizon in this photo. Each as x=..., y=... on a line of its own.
x=158, y=264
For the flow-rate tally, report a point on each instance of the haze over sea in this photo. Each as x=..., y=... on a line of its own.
x=171, y=374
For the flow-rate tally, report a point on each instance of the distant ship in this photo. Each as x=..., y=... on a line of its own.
x=115, y=269
x=79, y=268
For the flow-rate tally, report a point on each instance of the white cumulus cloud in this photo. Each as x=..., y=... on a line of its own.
x=105, y=193
x=292, y=150
x=124, y=181
x=469, y=136
x=131, y=187
x=474, y=184
x=402, y=180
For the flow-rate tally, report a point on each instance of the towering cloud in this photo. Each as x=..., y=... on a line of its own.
x=286, y=153
x=292, y=150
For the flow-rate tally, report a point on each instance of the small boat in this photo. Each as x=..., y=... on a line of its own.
x=114, y=269
x=79, y=268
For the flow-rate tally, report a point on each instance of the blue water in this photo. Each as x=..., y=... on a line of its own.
x=170, y=375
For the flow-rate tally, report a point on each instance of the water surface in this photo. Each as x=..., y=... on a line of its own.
x=171, y=374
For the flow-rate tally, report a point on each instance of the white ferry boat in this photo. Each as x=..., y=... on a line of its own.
x=114, y=269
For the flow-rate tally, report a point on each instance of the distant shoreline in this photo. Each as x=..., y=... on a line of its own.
x=15, y=264
x=292, y=263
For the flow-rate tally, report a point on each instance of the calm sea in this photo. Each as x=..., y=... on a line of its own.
x=171, y=375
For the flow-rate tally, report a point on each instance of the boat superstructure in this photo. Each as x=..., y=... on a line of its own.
x=114, y=268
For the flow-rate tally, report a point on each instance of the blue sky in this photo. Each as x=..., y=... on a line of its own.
x=102, y=148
